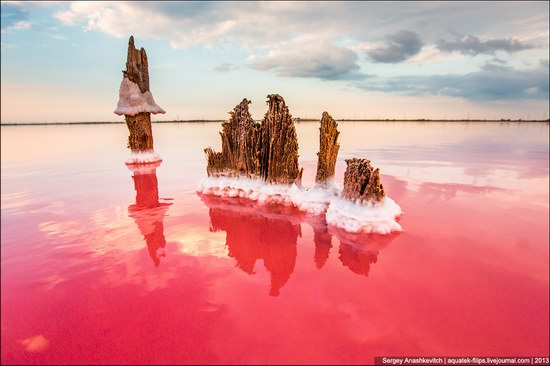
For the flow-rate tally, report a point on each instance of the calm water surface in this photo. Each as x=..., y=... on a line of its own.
x=101, y=264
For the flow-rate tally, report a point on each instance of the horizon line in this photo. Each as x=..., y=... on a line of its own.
x=297, y=119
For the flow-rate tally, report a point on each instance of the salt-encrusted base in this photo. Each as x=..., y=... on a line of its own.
x=144, y=168
x=312, y=200
x=143, y=157
x=354, y=217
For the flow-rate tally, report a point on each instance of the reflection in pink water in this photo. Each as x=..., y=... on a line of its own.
x=270, y=232
x=251, y=236
x=148, y=212
x=98, y=267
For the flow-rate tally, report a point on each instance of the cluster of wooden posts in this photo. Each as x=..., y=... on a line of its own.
x=266, y=150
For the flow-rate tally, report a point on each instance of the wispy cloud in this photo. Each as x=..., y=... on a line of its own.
x=68, y=17
x=472, y=45
x=262, y=24
x=20, y=25
x=59, y=37
x=226, y=67
x=398, y=47
x=16, y=14
x=406, y=48
x=324, y=61
x=14, y=17
x=491, y=82
x=12, y=14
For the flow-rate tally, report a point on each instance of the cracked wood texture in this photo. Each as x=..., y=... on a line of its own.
x=279, y=148
x=137, y=67
x=240, y=155
x=328, y=149
x=362, y=182
x=141, y=134
x=268, y=151
x=140, y=137
x=240, y=139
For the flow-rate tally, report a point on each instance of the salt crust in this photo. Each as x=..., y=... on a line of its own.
x=132, y=101
x=143, y=157
x=351, y=216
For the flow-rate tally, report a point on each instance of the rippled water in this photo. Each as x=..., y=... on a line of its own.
x=101, y=264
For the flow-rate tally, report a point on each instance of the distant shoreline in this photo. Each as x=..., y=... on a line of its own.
x=298, y=120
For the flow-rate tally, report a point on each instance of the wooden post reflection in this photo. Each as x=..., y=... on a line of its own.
x=252, y=235
x=271, y=233
x=148, y=212
x=323, y=242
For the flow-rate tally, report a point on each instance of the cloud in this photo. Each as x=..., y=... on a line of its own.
x=303, y=59
x=177, y=10
x=20, y=25
x=399, y=47
x=259, y=24
x=491, y=82
x=16, y=14
x=497, y=60
x=185, y=24
x=301, y=39
x=68, y=17
x=472, y=45
x=59, y=37
x=13, y=17
x=226, y=67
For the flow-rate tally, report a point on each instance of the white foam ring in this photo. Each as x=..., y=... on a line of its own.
x=355, y=217
x=143, y=157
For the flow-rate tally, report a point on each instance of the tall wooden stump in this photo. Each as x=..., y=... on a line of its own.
x=140, y=138
x=268, y=151
x=279, y=147
x=240, y=146
x=328, y=149
x=136, y=102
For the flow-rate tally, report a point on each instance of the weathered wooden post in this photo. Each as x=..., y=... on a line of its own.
x=240, y=146
x=328, y=149
x=279, y=147
x=362, y=182
x=136, y=103
x=268, y=151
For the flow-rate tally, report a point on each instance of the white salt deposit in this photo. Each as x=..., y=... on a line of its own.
x=143, y=157
x=350, y=216
x=312, y=200
x=143, y=168
x=355, y=217
x=132, y=101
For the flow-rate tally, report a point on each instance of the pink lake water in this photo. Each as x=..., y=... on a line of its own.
x=101, y=264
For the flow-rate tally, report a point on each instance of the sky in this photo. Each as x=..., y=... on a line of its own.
x=62, y=61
